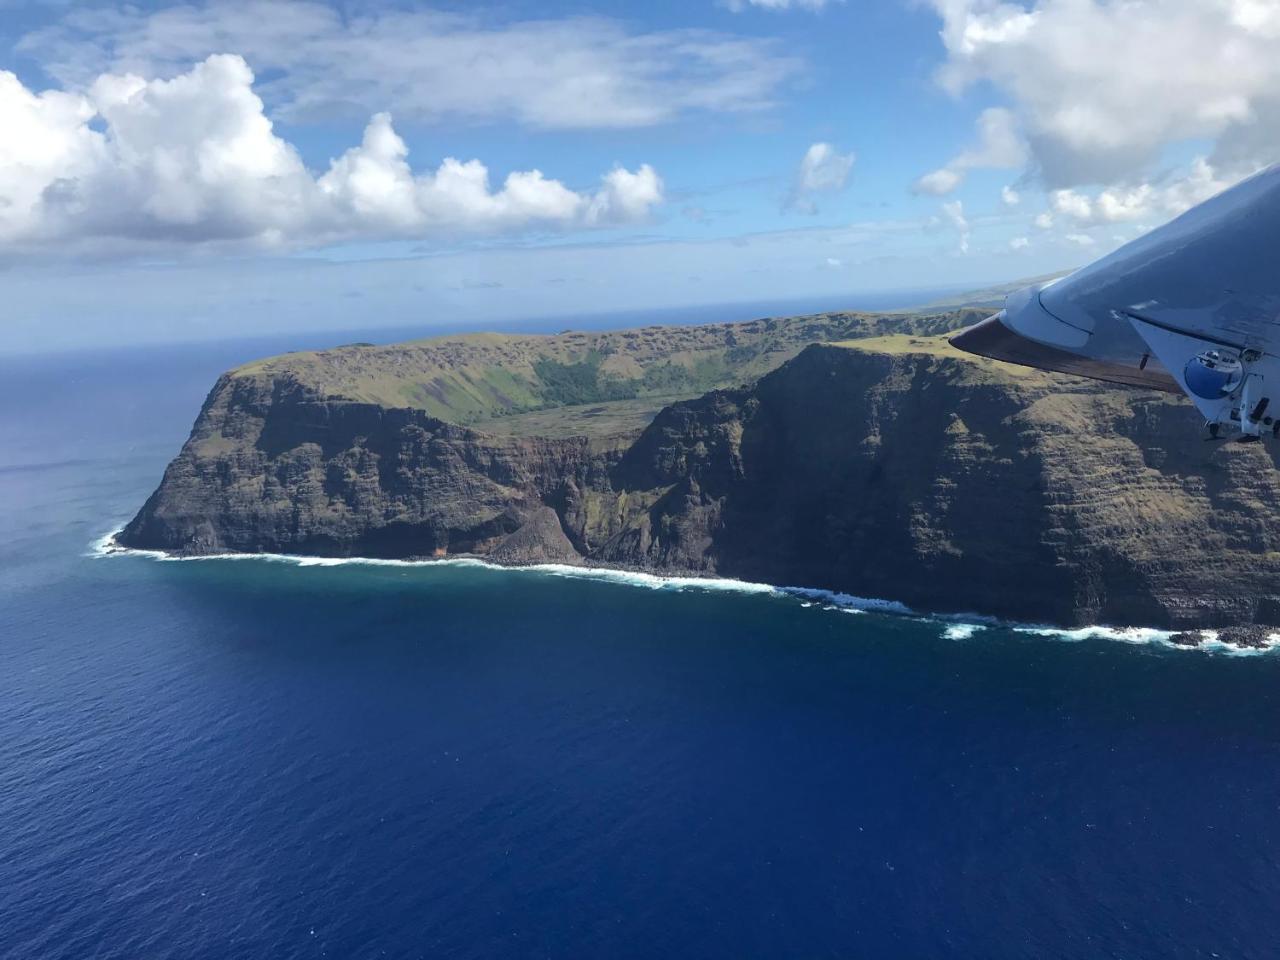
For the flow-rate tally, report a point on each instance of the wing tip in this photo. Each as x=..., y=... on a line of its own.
x=994, y=339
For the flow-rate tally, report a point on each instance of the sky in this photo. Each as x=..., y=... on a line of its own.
x=223, y=168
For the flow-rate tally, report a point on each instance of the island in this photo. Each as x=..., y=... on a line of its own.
x=851, y=452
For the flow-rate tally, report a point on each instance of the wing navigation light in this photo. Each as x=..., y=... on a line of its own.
x=1214, y=374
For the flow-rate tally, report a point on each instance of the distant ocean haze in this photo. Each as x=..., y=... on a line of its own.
x=435, y=322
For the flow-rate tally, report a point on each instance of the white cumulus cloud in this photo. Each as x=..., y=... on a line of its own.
x=999, y=146
x=1130, y=203
x=136, y=163
x=1072, y=204
x=1104, y=96
x=1101, y=87
x=823, y=169
x=939, y=182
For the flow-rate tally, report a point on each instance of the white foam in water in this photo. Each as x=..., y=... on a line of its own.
x=1122, y=634
x=846, y=602
x=1209, y=639
x=1211, y=642
x=107, y=546
x=650, y=580
x=961, y=626
x=962, y=631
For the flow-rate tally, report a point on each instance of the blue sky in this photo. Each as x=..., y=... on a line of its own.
x=227, y=167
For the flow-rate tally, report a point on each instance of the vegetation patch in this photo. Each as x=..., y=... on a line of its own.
x=571, y=384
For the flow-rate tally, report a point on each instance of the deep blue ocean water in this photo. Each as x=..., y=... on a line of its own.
x=250, y=758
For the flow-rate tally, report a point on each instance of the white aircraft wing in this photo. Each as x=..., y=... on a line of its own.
x=1192, y=306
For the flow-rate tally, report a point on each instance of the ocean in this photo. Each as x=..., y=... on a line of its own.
x=265, y=758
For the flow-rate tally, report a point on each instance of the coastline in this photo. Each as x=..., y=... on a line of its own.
x=956, y=626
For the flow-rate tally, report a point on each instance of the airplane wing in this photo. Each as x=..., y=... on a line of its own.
x=1193, y=306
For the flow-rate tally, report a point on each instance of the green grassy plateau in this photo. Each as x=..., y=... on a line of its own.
x=595, y=384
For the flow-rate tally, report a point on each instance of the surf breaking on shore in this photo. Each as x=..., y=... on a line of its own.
x=957, y=626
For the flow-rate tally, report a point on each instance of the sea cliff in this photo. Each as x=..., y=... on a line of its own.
x=851, y=457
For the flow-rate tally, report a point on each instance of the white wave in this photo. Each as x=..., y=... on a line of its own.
x=651, y=581
x=962, y=631
x=1210, y=641
x=962, y=626
x=1137, y=635
x=846, y=602
x=107, y=546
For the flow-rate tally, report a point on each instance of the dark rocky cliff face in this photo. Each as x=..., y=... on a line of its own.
x=946, y=483
x=270, y=466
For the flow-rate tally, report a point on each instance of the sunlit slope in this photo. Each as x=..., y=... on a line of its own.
x=906, y=344
x=596, y=383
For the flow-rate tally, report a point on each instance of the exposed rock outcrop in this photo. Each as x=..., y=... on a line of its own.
x=903, y=472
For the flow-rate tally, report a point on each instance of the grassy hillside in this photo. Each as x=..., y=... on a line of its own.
x=596, y=383
x=905, y=344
